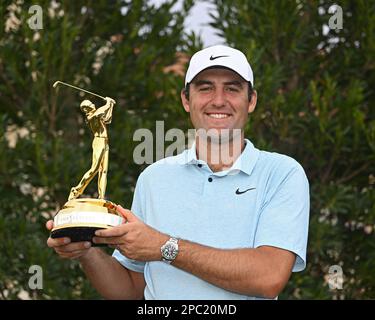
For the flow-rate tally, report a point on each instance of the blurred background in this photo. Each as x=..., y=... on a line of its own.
x=315, y=88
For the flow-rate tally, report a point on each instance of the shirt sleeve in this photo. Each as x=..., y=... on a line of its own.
x=284, y=218
x=137, y=266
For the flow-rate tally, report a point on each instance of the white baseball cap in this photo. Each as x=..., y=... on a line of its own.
x=220, y=56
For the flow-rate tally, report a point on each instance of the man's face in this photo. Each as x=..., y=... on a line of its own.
x=218, y=99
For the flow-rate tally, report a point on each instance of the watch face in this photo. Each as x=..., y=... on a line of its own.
x=170, y=251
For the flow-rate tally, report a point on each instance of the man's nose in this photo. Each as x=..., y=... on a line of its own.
x=219, y=98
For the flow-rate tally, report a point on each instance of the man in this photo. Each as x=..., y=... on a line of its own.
x=203, y=226
x=97, y=120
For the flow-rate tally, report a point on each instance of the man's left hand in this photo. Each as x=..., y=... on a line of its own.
x=134, y=239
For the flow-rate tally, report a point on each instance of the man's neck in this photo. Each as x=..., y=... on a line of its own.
x=219, y=155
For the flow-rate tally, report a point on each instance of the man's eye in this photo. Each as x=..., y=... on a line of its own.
x=204, y=88
x=233, y=89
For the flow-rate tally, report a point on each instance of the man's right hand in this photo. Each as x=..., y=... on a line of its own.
x=64, y=248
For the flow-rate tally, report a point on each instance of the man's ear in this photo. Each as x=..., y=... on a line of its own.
x=253, y=102
x=185, y=101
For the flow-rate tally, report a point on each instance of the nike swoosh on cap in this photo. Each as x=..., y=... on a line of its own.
x=213, y=58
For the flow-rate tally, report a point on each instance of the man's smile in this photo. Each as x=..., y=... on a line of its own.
x=218, y=115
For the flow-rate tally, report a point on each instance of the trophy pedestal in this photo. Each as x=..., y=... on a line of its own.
x=80, y=218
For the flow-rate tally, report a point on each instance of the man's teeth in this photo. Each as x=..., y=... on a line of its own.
x=218, y=115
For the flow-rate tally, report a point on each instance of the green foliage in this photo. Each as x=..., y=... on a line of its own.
x=118, y=49
x=316, y=103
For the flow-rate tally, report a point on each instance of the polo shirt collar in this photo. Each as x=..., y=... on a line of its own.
x=245, y=162
x=191, y=155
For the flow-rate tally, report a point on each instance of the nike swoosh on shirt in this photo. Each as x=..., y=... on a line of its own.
x=241, y=192
x=213, y=58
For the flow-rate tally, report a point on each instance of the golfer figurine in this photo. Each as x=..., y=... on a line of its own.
x=79, y=218
x=97, y=120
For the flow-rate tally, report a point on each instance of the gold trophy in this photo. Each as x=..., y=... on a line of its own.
x=79, y=218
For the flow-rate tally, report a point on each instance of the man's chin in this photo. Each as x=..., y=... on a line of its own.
x=219, y=135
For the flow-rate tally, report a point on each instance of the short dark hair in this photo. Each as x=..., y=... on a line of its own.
x=186, y=91
x=250, y=90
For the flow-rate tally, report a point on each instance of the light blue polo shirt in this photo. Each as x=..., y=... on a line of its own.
x=182, y=197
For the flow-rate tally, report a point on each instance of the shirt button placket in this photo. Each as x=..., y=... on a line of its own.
x=208, y=187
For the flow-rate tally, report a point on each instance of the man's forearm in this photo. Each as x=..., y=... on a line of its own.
x=108, y=277
x=245, y=271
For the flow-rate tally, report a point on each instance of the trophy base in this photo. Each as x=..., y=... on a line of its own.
x=77, y=234
x=80, y=218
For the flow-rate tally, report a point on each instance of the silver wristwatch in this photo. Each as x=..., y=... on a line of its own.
x=169, y=250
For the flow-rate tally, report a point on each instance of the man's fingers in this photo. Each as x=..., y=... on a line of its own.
x=113, y=232
x=71, y=255
x=74, y=246
x=126, y=214
x=57, y=242
x=49, y=224
x=109, y=240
